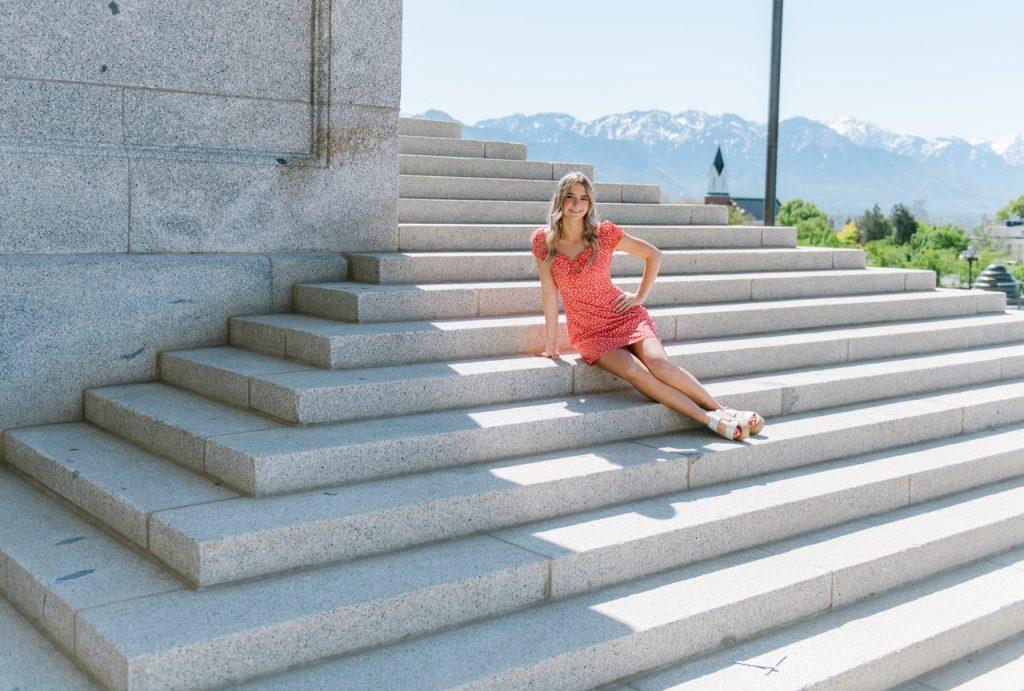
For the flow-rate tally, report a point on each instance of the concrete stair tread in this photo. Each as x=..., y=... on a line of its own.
x=695, y=279
x=482, y=266
x=327, y=327
x=259, y=456
x=427, y=210
x=998, y=666
x=297, y=617
x=603, y=636
x=116, y=482
x=348, y=521
x=297, y=393
x=356, y=520
x=515, y=236
x=878, y=642
x=29, y=661
x=446, y=146
x=426, y=185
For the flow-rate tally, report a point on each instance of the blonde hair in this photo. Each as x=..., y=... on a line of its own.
x=590, y=222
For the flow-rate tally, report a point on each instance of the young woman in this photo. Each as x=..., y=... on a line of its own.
x=610, y=328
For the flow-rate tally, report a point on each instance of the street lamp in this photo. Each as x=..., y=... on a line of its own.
x=971, y=255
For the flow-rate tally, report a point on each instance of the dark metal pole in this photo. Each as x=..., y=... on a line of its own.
x=773, y=115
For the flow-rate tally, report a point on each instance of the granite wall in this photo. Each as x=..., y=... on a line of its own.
x=169, y=163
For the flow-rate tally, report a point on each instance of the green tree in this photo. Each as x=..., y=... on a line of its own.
x=849, y=236
x=811, y=223
x=939, y=238
x=904, y=225
x=1014, y=208
x=873, y=225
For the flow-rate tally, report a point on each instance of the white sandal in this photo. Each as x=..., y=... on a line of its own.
x=730, y=427
x=744, y=416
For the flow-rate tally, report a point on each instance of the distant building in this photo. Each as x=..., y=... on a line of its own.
x=1007, y=235
x=718, y=192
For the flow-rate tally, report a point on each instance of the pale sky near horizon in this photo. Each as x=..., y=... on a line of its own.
x=936, y=68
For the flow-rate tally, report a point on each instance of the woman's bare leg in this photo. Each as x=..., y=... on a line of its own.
x=652, y=354
x=622, y=363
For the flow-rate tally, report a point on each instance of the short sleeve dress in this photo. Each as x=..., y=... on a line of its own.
x=588, y=297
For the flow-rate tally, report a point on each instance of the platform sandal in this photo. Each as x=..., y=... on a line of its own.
x=730, y=427
x=744, y=417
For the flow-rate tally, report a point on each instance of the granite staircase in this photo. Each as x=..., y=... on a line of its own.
x=385, y=489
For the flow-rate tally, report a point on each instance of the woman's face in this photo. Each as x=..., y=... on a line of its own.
x=576, y=202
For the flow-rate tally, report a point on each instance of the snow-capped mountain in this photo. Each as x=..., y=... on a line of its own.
x=844, y=165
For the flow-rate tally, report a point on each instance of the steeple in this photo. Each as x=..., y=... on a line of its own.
x=718, y=184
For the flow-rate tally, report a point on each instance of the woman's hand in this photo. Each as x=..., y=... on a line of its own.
x=551, y=351
x=625, y=301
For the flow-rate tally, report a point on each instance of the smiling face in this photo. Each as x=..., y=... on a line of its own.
x=576, y=203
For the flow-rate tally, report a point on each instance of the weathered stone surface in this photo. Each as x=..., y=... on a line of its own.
x=366, y=52
x=59, y=204
x=29, y=661
x=55, y=111
x=166, y=118
x=260, y=49
x=288, y=270
x=68, y=323
x=190, y=206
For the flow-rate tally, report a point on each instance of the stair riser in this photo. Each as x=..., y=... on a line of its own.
x=454, y=166
x=370, y=306
x=431, y=345
x=447, y=237
x=437, y=187
x=481, y=211
x=438, y=146
x=286, y=397
x=397, y=269
x=636, y=652
x=421, y=127
x=296, y=641
x=367, y=534
x=259, y=470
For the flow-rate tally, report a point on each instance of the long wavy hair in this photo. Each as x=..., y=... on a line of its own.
x=590, y=220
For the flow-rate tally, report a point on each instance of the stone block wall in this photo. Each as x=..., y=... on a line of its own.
x=166, y=164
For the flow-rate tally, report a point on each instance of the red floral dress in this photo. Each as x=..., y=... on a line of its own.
x=588, y=297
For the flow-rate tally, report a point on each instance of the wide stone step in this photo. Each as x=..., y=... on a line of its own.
x=445, y=237
x=489, y=211
x=212, y=540
x=470, y=148
x=339, y=345
x=29, y=661
x=352, y=301
x=259, y=456
x=414, y=164
x=512, y=189
x=422, y=127
x=880, y=642
x=303, y=394
x=998, y=666
x=134, y=628
x=428, y=267
x=603, y=636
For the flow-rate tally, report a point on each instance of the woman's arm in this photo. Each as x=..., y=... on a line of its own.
x=652, y=262
x=549, y=301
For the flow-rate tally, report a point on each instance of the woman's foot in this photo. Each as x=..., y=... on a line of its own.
x=725, y=426
x=750, y=421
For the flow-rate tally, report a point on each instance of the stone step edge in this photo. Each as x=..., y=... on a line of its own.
x=233, y=552
x=770, y=608
x=189, y=370
x=218, y=453
x=109, y=507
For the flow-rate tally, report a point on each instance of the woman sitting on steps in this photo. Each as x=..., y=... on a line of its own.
x=610, y=328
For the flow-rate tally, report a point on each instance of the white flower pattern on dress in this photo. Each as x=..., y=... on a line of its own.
x=588, y=297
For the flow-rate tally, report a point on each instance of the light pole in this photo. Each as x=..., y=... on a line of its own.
x=971, y=255
x=773, y=115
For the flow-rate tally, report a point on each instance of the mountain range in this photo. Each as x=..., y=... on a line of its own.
x=844, y=165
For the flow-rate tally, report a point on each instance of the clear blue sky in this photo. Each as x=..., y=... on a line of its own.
x=931, y=68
